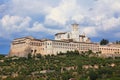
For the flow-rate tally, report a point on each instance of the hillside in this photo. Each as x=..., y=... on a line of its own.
x=64, y=66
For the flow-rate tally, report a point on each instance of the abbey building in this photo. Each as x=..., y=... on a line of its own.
x=63, y=42
x=74, y=35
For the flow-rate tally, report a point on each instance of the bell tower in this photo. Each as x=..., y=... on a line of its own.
x=75, y=32
x=75, y=27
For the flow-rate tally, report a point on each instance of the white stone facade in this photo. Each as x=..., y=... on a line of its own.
x=45, y=47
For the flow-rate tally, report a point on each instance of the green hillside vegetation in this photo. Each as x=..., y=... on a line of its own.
x=84, y=66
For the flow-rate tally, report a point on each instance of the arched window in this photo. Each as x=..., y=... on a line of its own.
x=31, y=51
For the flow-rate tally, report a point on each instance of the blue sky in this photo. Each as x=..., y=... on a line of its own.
x=43, y=18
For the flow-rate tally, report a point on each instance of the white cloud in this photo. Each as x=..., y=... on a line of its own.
x=39, y=27
x=99, y=18
x=31, y=7
x=64, y=12
x=78, y=18
x=94, y=16
x=36, y=27
x=105, y=17
x=90, y=31
x=111, y=24
x=12, y=24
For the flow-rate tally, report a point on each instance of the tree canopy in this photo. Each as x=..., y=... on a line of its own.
x=104, y=42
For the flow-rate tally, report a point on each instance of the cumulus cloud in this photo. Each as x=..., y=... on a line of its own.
x=31, y=7
x=90, y=31
x=93, y=16
x=16, y=24
x=67, y=10
x=39, y=27
x=12, y=24
x=111, y=24
x=103, y=17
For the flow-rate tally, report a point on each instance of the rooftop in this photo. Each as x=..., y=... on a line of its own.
x=60, y=33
